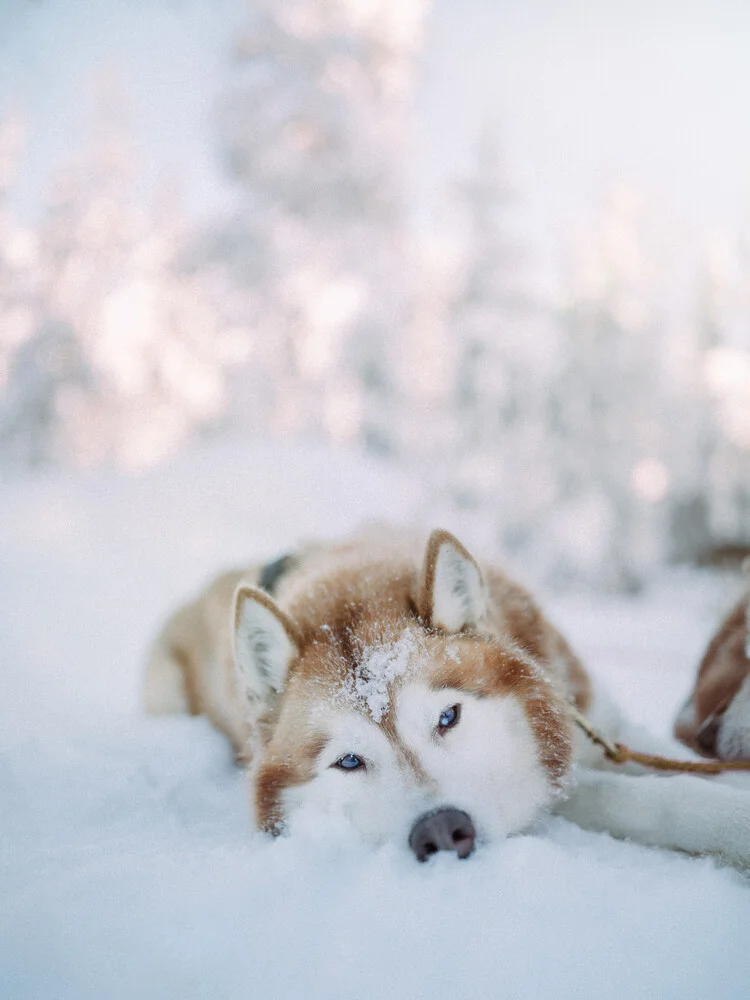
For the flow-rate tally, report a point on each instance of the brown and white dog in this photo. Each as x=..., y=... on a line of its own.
x=424, y=698
x=715, y=719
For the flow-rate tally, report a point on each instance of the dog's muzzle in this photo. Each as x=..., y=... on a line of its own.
x=445, y=829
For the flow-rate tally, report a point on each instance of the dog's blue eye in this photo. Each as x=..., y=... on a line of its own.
x=449, y=717
x=349, y=762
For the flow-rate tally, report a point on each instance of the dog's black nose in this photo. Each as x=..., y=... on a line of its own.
x=707, y=736
x=442, y=830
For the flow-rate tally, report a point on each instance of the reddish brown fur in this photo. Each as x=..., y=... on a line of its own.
x=721, y=672
x=294, y=767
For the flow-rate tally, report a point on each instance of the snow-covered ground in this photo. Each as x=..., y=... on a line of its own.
x=127, y=865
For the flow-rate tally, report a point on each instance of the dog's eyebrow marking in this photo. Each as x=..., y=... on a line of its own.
x=454, y=678
x=314, y=747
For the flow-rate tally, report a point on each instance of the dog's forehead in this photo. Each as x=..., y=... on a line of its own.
x=365, y=679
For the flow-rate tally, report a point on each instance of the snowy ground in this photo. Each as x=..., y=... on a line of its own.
x=127, y=866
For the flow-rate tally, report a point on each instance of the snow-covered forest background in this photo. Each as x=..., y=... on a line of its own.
x=570, y=386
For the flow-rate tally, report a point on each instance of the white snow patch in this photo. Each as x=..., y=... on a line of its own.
x=379, y=666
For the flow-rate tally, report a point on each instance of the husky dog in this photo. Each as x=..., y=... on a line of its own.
x=423, y=697
x=715, y=719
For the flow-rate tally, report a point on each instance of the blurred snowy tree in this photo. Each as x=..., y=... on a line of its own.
x=607, y=408
x=715, y=485
x=121, y=354
x=19, y=314
x=694, y=431
x=427, y=364
x=503, y=345
x=163, y=348
x=314, y=133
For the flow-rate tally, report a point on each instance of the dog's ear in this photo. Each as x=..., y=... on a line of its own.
x=451, y=590
x=266, y=641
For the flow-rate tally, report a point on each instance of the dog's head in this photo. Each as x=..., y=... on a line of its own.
x=715, y=719
x=392, y=697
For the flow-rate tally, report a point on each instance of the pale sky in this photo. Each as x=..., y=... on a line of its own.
x=584, y=93
x=655, y=94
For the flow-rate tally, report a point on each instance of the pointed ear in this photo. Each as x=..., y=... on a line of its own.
x=451, y=590
x=266, y=642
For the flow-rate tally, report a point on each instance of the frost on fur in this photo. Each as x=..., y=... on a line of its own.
x=379, y=666
x=452, y=594
x=264, y=642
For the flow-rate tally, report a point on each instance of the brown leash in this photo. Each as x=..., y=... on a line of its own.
x=618, y=753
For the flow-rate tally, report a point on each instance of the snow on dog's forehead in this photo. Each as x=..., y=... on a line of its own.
x=367, y=687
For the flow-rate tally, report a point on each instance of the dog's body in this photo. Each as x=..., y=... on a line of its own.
x=422, y=697
x=715, y=719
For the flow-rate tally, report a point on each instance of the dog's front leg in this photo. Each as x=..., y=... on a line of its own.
x=681, y=812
